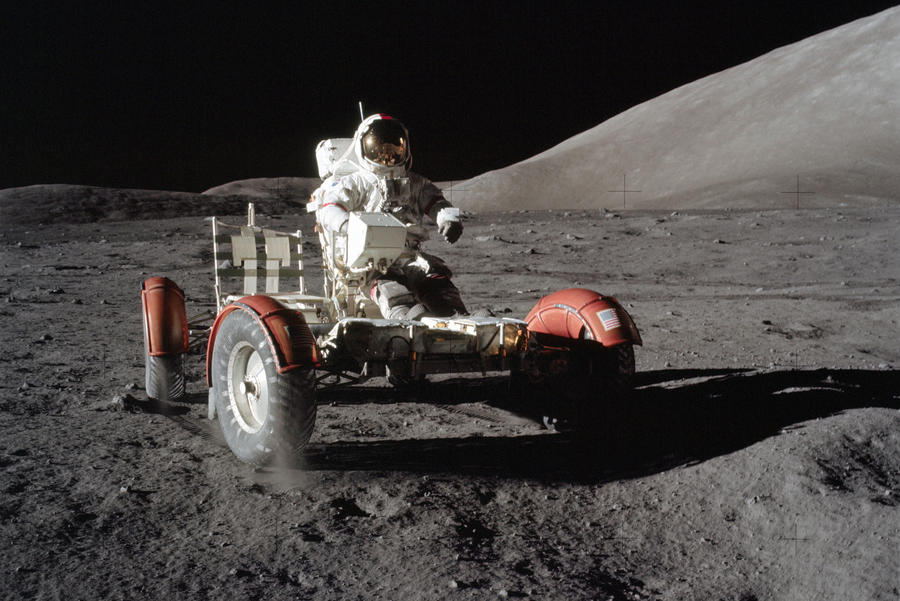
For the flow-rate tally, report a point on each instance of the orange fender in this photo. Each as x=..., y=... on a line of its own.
x=289, y=337
x=165, y=318
x=578, y=313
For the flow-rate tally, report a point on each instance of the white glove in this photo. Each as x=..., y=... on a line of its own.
x=449, y=225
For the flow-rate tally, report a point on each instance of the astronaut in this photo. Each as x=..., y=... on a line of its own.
x=417, y=285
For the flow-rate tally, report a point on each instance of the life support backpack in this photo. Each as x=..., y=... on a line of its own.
x=335, y=156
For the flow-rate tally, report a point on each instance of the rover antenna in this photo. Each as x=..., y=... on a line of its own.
x=362, y=116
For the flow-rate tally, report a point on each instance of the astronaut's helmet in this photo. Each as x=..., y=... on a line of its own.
x=383, y=144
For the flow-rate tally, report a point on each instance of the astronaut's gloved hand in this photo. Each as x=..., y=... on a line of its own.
x=451, y=231
x=449, y=224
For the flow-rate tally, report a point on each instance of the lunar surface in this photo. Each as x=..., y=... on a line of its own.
x=758, y=457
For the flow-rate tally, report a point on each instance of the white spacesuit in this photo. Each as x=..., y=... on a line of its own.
x=377, y=179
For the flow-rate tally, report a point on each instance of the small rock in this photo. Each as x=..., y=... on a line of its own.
x=454, y=584
x=46, y=337
x=77, y=301
x=116, y=404
x=119, y=402
x=719, y=241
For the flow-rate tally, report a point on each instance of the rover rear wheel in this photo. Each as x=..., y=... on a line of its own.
x=164, y=377
x=267, y=417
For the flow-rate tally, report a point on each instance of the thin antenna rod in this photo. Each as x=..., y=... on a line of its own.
x=362, y=116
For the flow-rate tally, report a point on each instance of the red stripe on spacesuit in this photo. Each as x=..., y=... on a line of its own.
x=335, y=204
x=372, y=292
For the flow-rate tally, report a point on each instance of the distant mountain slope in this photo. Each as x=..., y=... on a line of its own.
x=293, y=189
x=825, y=110
x=815, y=123
x=64, y=203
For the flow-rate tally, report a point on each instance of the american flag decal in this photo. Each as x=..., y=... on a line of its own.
x=609, y=319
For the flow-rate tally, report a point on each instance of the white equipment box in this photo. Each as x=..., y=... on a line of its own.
x=374, y=236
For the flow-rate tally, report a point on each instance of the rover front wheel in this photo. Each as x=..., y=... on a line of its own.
x=588, y=391
x=267, y=417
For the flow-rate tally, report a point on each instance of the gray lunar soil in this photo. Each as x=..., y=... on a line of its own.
x=759, y=457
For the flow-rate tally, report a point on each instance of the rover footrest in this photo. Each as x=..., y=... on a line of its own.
x=432, y=345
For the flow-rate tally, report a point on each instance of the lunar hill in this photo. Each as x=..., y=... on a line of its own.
x=820, y=117
x=813, y=124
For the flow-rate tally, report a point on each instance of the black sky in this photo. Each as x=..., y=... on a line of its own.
x=188, y=96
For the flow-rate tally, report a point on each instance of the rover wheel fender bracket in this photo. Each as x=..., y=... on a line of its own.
x=164, y=316
x=286, y=331
x=579, y=313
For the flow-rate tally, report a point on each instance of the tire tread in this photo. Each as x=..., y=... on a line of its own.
x=165, y=377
